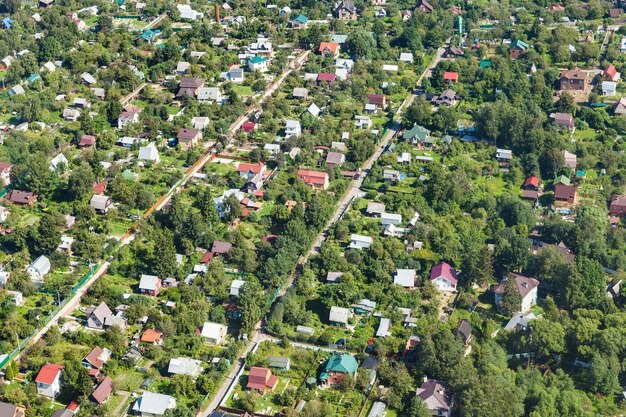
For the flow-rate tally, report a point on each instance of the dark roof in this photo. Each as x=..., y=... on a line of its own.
x=377, y=99
x=220, y=247
x=562, y=191
x=524, y=285
x=191, y=82
x=18, y=196
x=370, y=362
x=185, y=133
x=435, y=390
x=574, y=74
x=464, y=330
x=10, y=410
x=530, y=194
x=101, y=393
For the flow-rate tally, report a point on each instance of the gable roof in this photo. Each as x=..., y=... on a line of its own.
x=153, y=403
x=331, y=46
x=105, y=388
x=532, y=180
x=435, y=394
x=562, y=191
x=444, y=270
x=343, y=363
x=258, y=377
x=101, y=312
x=574, y=74
x=151, y=336
x=220, y=247
x=524, y=285
x=48, y=373
x=312, y=177
x=148, y=282
x=519, y=45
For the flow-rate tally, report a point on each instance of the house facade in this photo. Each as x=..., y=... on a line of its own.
x=48, y=380
x=443, y=276
x=527, y=288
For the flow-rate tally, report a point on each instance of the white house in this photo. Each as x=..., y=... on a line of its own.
x=609, y=88
x=151, y=404
x=257, y=63
x=185, y=366
x=127, y=117
x=200, y=122
x=235, y=75
x=186, y=12
x=360, y=242
x=362, y=122
x=443, y=277
x=18, y=297
x=57, y=161
x=406, y=57
x=4, y=214
x=527, y=288
x=236, y=286
x=384, y=328
x=213, y=332
x=209, y=94
x=390, y=218
x=292, y=128
x=405, y=278
x=339, y=315
x=149, y=153
x=38, y=269
x=49, y=380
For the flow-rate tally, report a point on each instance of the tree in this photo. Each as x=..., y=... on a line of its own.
x=11, y=6
x=80, y=183
x=250, y=305
x=47, y=236
x=420, y=112
x=232, y=208
x=511, y=298
x=361, y=44
x=164, y=254
x=76, y=381
x=418, y=408
x=547, y=337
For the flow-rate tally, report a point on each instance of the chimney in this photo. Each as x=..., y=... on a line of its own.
x=217, y=13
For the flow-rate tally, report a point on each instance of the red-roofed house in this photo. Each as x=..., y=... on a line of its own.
x=87, y=141
x=443, y=277
x=101, y=394
x=618, y=205
x=379, y=100
x=248, y=171
x=151, y=336
x=564, y=194
x=326, y=77
x=329, y=49
x=531, y=183
x=261, y=379
x=96, y=359
x=206, y=258
x=315, y=179
x=449, y=76
x=49, y=380
x=248, y=126
x=100, y=187
x=611, y=74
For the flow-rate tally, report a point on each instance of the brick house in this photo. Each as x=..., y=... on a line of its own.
x=574, y=79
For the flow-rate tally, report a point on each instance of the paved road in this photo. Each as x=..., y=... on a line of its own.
x=342, y=206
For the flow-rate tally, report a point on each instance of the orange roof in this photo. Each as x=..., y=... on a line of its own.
x=312, y=177
x=151, y=336
x=610, y=71
x=254, y=168
x=48, y=373
x=331, y=46
x=448, y=75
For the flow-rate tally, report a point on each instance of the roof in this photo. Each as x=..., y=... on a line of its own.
x=4, y=166
x=10, y=410
x=257, y=60
x=361, y=238
x=343, y=363
x=405, y=278
x=212, y=330
x=563, y=118
x=220, y=247
x=254, y=168
x=20, y=197
x=452, y=76
x=105, y=388
x=562, y=179
x=41, y=264
x=435, y=394
x=464, y=329
x=301, y=18
x=418, y=132
x=574, y=74
x=326, y=76
x=384, y=328
x=151, y=336
x=611, y=71
x=312, y=177
x=339, y=314
x=191, y=82
x=98, y=356
x=335, y=158
x=444, y=270
x=377, y=410
x=618, y=200
x=519, y=45
x=186, y=133
x=374, y=207
x=101, y=312
x=524, y=285
x=153, y=403
x=562, y=191
x=184, y=366
x=532, y=180
x=48, y=373
x=300, y=92
x=259, y=378
x=149, y=282
x=377, y=99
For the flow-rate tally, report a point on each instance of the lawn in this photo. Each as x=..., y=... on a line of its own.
x=585, y=134
x=119, y=227
x=243, y=90
x=129, y=380
x=219, y=168
x=492, y=185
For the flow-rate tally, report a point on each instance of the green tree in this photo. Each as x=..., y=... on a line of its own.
x=547, y=337
x=48, y=235
x=511, y=298
x=250, y=305
x=80, y=183
x=76, y=381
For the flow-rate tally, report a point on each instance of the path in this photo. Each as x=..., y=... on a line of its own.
x=342, y=206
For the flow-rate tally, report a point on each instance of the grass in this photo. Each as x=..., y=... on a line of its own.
x=129, y=380
x=28, y=219
x=118, y=228
x=585, y=134
x=243, y=90
x=172, y=110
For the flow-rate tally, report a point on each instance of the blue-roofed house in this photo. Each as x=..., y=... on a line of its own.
x=299, y=22
x=7, y=22
x=33, y=78
x=150, y=35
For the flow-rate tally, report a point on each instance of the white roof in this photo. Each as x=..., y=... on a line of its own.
x=184, y=366
x=361, y=238
x=339, y=314
x=41, y=264
x=213, y=330
x=375, y=207
x=148, y=152
x=391, y=216
x=235, y=286
x=405, y=278
x=292, y=123
x=406, y=57
x=151, y=403
x=609, y=85
x=384, y=328
x=314, y=110
x=387, y=67
x=504, y=153
x=148, y=282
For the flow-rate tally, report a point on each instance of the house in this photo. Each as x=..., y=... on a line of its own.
x=6, y=62
x=391, y=175
x=248, y=171
x=189, y=86
x=236, y=75
x=57, y=162
x=188, y=138
x=464, y=330
x=344, y=64
x=16, y=90
x=186, y=12
x=10, y=410
x=574, y=79
x=329, y=49
x=262, y=47
x=335, y=159
x=610, y=73
x=425, y=6
x=185, y=366
x=101, y=394
x=406, y=57
x=336, y=368
x=96, y=359
x=299, y=22
x=292, y=128
x=564, y=120
x=81, y=103
x=531, y=183
x=569, y=159
x=405, y=278
x=333, y=277
x=149, y=153
x=360, y=242
x=214, y=333
x=378, y=100
x=564, y=194
x=517, y=49
x=390, y=218
x=88, y=79
x=436, y=396
x=519, y=322
x=453, y=52
x=404, y=158
x=5, y=173
x=279, y=362
x=339, y=316
x=285, y=11
x=300, y=93
x=617, y=207
x=127, y=117
x=272, y=148
x=221, y=248
x=446, y=98
x=71, y=114
x=39, y=268
x=527, y=288
x=504, y=156
x=150, y=285
x=200, y=122
x=346, y=10
x=377, y=410
x=236, y=286
x=364, y=306
x=609, y=88
x=619, y=107
x=261, y=379
x=101, y=203
x=257, y=63
x=384, y=328
x=44, y=4
x=313, y=110
x=87, y=141
x=418, y=135
x=364, y=122
x=17, y=298
x=374, y=208
x=443, y=277
x=151, y=404
x=152, y=337
x=97, y=316
x=4, y=215
x=21, y=198
x=315, y=179
x=209, y=94
x=450, y=77
x=48, y=380
x=380, y=12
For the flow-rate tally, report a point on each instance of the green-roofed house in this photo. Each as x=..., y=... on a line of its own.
x=485, y=63
x=150, y=35
x=562, y=179
x=418, y=135
x=257, y=63
x=517, y=49
x=336, y=368
x=129, y=175
x=299, y=22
